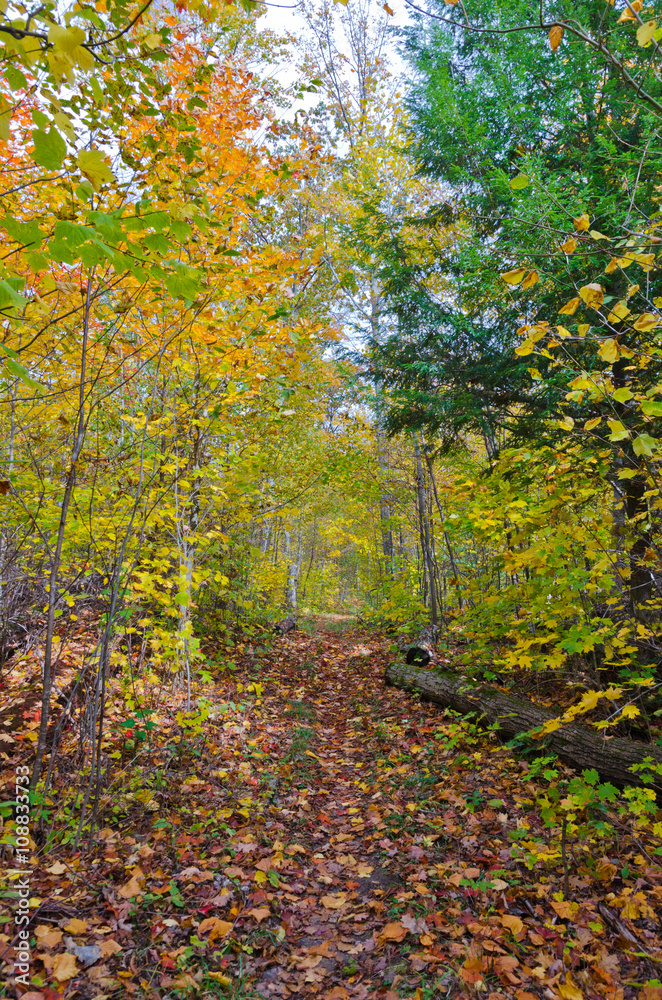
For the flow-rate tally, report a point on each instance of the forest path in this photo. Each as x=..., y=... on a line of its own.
x=372, y=857
x=308, y=832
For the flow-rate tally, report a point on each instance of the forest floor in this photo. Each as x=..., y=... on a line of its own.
x=321, y=835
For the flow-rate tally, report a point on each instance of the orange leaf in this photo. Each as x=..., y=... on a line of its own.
x=334, y=902
x=64, y=967
x=555, y=37
x=393, y=932
x=565, y=910
x=217, y=928
x=260, y=913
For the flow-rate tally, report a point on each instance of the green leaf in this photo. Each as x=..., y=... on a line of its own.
x=644, y=444
x=9, y=296
x=50, y=148
x=27, y=233
x=651, y=408
x=622, y=395
x=20, y=372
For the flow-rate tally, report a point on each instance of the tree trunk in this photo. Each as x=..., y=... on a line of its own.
x=579, y=746
x=424, y=525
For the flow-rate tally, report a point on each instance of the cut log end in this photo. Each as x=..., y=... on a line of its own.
x=286, y=625
x=420, y=652
x=418, y=656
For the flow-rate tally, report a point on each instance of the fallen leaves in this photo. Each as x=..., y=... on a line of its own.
x=363, y=879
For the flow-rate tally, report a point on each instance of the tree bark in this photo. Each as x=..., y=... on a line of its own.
x=424, y=526
x=576, y=745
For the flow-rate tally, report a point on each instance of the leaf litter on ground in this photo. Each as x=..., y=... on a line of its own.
x=318, y=834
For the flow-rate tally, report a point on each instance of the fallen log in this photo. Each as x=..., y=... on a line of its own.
x=286, y=625
x=576, y=745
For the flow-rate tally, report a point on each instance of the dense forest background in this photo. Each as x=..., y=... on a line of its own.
x=347, y=312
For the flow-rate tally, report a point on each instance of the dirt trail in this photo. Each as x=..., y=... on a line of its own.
x=321, y=835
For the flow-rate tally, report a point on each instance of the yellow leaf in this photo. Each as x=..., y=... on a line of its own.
x=555, y=37
x=630, y=712
x=646, y=322
x=592, y=294
x=609, y=351
x=514, y=277
x=512, y=923
x=591, y=698
x=260, y=877
x=645, y=33
x=569, y=246
x=618, y=312
x=618, y=431
x=590, y=424
x=567, y=424
x=570, y=308
x=65, y=39
x=581, y=223
x=628, y=14
x=530, y=280
x=389, y=10
x=219, y=977
x=93, y=165
x=597, y=235
x=526, y=348
x=64, y=967
x=568, y=990
x=562, y=332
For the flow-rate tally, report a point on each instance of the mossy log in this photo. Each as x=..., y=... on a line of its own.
x=577, y=745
